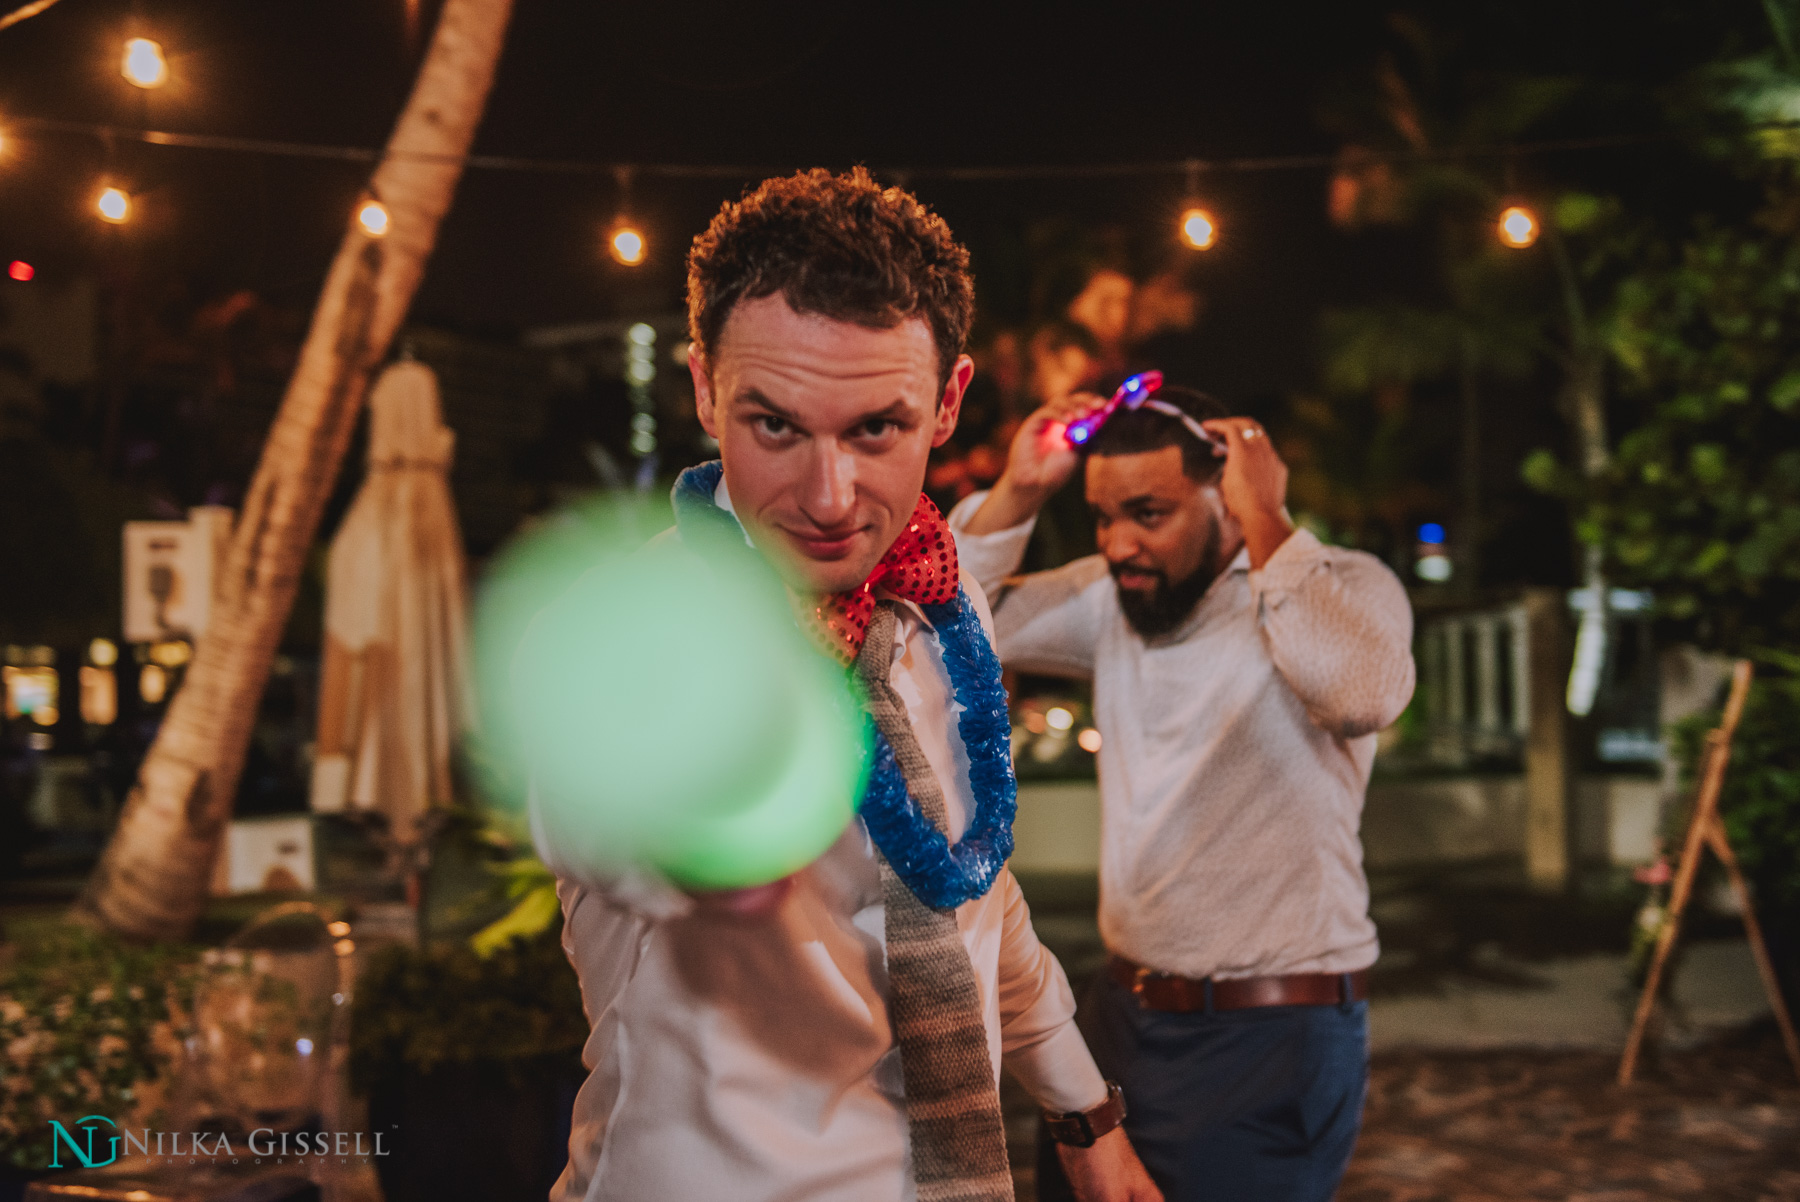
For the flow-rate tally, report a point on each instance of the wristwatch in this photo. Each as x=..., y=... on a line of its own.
x=1080, y=1128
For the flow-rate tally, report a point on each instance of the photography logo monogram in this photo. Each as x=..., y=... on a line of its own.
x=80, y=1146
x=83, y=1152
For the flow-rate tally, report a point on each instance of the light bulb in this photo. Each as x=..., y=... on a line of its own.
x=143, y=65
x=1198, y=229
x=373, y=217
x=627, y=245
x=1518, y=227
x=114, y=205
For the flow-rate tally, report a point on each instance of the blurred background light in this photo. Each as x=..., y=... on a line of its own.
x=627, y=245
x=373, y=217
x=1198, y=229
x=143, y=65
x=1518, y=227
x=113, y=205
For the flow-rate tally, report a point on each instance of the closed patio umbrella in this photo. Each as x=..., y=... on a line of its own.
x=394, y=688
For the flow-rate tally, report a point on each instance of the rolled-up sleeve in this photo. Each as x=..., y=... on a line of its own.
x=1046, y=622
x=1339, y=630
x=1039, y=1043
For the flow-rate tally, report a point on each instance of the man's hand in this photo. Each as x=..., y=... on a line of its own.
x=756, y=902
x=1253, y=485
x=1038, y=464
x=1110, y=1171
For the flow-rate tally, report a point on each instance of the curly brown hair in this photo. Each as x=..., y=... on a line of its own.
x=841, y=246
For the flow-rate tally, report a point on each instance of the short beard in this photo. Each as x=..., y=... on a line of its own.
x=1166, y=606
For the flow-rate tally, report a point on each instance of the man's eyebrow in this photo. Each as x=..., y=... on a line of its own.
x=754, y=396
x=894, y=411
x=1142, y=499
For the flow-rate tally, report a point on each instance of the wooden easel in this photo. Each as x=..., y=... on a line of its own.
x=1707, y=829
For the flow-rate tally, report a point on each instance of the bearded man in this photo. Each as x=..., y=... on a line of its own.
x=1241, y=670
x=837, y=1036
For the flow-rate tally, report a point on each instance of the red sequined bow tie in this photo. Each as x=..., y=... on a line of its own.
x=919, y=567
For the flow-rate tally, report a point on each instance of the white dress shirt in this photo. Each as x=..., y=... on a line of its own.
x=1235, y=750
x=754, y=1059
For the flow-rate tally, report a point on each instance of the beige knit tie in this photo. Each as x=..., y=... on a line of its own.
x=952, y=1106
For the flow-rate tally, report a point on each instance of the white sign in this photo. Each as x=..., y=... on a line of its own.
x=170, y=570
x=266, y=855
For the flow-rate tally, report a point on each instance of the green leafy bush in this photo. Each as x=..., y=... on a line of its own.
x=1761, y=797
x=417, y=1008
x=88, y=1025
x=1701, y=502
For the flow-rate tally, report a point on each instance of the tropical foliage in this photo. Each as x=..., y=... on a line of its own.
x=88, y=1025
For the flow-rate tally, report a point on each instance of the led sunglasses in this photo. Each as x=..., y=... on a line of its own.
x=1134, y=393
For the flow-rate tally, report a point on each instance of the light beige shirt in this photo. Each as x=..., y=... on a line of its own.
x=1235, y=750
x=756, y=1060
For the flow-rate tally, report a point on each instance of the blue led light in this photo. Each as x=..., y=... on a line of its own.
x=1078, y=434
x=1431, y=534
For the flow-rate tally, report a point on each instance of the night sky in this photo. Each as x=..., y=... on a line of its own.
x=700, y=82
x=918, y=86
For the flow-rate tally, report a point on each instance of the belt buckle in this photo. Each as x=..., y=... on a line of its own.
x=1141, y=978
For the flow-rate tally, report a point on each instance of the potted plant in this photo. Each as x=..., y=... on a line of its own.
x=470, y=1063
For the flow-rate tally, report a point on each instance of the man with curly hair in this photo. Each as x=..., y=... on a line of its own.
x=839, y=1034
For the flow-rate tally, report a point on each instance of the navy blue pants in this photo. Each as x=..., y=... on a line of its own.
x=1258, y=1105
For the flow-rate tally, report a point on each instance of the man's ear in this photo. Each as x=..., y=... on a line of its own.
x=704, y=406
x=1231, y=534
x=950, y=404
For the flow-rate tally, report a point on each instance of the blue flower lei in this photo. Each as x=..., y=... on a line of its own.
x=941, y=876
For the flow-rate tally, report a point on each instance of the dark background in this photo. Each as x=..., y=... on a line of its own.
x=770, y=87
x=913, y=92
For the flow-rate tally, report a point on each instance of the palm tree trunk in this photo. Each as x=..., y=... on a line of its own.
x=153, y=878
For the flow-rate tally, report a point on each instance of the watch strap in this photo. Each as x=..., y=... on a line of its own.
x=1081, y=1128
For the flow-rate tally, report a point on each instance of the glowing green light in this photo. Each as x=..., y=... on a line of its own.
x=664, y=707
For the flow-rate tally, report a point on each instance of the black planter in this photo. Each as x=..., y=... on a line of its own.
x=13, y=1181
x=485, y=1131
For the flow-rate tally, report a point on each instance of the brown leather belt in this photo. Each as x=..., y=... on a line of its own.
x=1162, y=991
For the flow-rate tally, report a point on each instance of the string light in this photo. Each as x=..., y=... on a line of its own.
x=20, y=270
x=627, y=244
x=1518, y=227
x=625, y=241
x=143, y=65
x=1198, y=229
x=114, y=205
x=373, y=217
